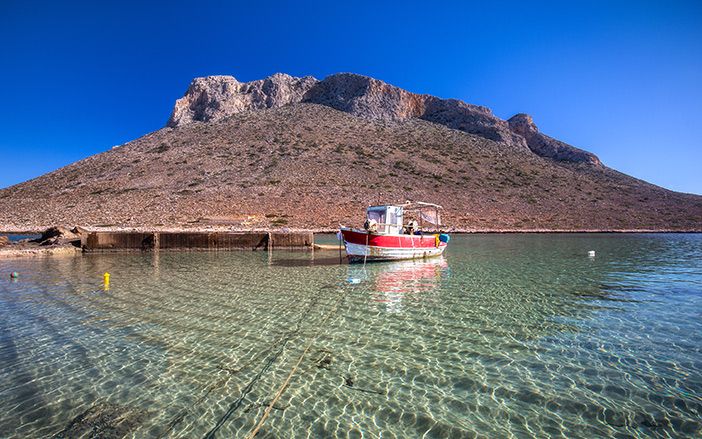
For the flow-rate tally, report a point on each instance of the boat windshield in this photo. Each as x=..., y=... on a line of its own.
x=377, y=214
x=388, y=218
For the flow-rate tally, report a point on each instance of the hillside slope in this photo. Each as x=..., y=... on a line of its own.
x=312, y=166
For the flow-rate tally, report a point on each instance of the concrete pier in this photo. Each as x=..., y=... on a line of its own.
x=290, y=240
x=117, y=241
x=194, y=240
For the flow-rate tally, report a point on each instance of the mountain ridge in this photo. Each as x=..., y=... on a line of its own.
x=213, y=97
x=276, y=153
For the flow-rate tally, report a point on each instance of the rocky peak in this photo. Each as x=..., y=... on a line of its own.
x=214, y=97
x=366, y=97
x=522, y=124
x=471, y=119
x=373, y=99
x=545, y=146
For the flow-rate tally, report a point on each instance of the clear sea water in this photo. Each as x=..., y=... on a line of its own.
x=505, y=336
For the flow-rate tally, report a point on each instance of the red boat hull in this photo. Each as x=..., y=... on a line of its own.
x=361, y=245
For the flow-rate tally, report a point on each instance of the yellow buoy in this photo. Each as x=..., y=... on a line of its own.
x=106, y=280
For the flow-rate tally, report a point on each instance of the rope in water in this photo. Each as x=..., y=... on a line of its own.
x=284, y=341
x=286, y=383
x=365, y=252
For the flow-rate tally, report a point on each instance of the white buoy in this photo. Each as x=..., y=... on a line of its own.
x=591, y=253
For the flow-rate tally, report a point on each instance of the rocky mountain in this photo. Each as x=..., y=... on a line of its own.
x=298, y=152
x=215, y=97
x=546, y=146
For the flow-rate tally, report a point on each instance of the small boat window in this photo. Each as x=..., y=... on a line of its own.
x=392, y=218
x=377, y=215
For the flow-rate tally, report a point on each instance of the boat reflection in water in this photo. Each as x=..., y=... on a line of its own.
x=393, y=283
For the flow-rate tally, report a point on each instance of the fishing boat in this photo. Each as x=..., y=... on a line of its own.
x=386, y=237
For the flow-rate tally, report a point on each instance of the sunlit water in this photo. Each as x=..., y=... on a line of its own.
x=505, y=336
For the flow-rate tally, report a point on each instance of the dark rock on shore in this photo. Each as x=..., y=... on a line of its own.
x=59, y=236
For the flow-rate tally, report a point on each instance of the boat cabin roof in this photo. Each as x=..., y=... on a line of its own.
x=408, y=205
x=391, y=216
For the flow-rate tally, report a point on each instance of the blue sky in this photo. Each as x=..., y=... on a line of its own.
x=620, y=79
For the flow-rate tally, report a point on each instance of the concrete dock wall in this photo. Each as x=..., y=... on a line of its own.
x=291, y=240
x=106, y=241
x=146, y=241
x=212, y=240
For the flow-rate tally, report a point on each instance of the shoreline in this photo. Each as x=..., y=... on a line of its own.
x=37, y=252
x=39, y=231
x=61, y=241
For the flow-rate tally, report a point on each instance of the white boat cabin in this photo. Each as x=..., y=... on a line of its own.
x=385, y=219
x=389, y=219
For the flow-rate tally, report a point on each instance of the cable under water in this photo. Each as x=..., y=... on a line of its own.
x=236, y=404
x=287, y=381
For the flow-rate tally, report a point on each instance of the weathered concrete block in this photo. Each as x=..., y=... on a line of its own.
x=106, y=241
x=291, y=239
x=114, y=241
x=213, y=240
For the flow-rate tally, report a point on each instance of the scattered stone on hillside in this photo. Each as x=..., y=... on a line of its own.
x=546, y=146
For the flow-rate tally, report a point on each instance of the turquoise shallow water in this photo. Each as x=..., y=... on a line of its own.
x=505, y=336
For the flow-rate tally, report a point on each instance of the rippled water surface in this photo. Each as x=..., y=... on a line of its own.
x=505, y=336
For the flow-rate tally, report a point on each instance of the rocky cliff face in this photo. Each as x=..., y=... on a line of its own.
x=366, y=97
x=471, y=119
x=546, y=146
x=373, y=99
x=215, y=97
